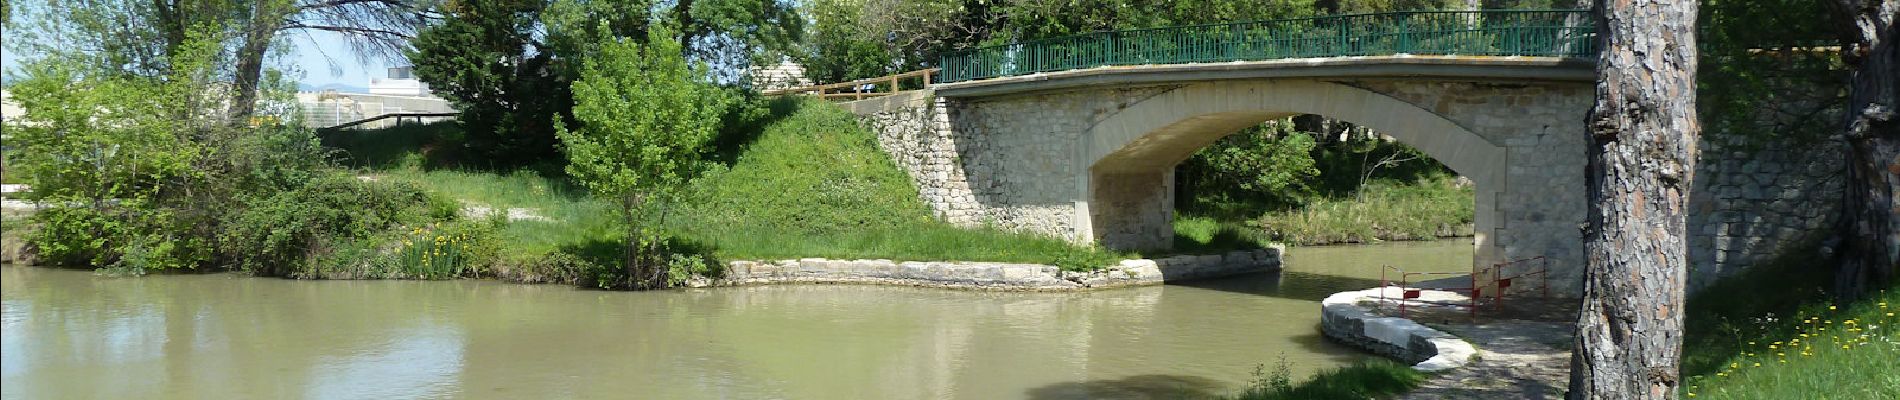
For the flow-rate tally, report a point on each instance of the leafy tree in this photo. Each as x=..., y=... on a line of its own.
x=1768, y=83
x=1270, y=164
x=645, y=120
x=1643, y=131
x=486, y=59
x=507, y=64
x=117, y=149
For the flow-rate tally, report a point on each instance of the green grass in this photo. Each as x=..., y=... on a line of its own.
x=1423, y=210
x=1201, y=234
x=1374, y=379
x=575, y=218
x=1773, y=333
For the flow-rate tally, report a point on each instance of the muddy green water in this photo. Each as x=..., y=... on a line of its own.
x=75, y=335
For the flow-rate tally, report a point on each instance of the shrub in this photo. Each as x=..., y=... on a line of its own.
x=277, y=233
x=677, y=259
x=442, y=251
x=75, y=236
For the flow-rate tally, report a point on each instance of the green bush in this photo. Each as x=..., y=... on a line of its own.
x=445, y=250
x=76, y=236
x=276, y=234
x=676, y=258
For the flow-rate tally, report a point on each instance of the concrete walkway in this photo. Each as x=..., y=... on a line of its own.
x=1523, y=355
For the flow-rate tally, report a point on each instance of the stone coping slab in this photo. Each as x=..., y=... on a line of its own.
x=1346, y=317
x=995, y=276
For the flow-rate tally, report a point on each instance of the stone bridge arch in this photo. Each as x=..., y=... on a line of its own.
x=1132, y=152
x=1088, y=155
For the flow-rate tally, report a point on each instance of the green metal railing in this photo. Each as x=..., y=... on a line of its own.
x=1549, y=33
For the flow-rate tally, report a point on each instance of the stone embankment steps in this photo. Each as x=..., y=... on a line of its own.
x=1524, y=355
x=1348, y=317
x=995, y=276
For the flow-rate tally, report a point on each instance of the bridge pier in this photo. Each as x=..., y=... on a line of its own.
x=1130, y=209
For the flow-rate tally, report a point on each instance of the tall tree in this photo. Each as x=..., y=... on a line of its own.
x=1871, y=219
x=1643, y=132
x=646, y=121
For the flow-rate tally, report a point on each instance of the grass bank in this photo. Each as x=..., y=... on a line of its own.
x=1425, y=209
x=1775, y=333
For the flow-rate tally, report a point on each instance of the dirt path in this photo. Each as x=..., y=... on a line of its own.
x=1525, y=356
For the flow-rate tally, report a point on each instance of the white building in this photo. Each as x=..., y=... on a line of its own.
x=399, y=93
x=400, y=82
x=784, y=75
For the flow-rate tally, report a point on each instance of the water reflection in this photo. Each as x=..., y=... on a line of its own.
x=71, y=334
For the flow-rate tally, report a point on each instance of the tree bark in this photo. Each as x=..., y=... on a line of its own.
x=1642, y=156
x=1870, y=220
x=266, y=18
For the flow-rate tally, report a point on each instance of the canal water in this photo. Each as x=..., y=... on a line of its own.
x=76, y=335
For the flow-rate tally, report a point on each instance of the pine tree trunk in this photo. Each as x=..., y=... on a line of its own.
x=1870, y=217
x=1643, y=132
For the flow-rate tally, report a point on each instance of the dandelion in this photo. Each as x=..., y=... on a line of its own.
x=1830, y=308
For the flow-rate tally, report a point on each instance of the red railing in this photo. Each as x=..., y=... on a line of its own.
x=1496, y=281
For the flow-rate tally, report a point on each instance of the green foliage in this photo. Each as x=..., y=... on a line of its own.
x=645, y=119
x=485, y=58
x=119, y=155
x=277, y=234
x=76, y=236
x=1369, y=380
x=442, y=251
x=1758, y=84
x=1270, y=164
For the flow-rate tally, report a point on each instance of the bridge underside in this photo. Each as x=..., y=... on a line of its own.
x=1094, y=163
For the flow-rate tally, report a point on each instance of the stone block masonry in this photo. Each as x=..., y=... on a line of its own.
x=996, y=276
x=1752, y=201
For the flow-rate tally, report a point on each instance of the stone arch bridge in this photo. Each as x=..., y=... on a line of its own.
x=1088, y=153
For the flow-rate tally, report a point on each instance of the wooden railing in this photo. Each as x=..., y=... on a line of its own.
x=861, y=89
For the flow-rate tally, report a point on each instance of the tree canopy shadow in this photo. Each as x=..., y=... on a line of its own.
x=1154, y=386
x=1283, y=284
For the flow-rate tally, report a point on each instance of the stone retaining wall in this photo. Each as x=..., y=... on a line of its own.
x=1345, y=317
x=996, y=276
x=1752, y=201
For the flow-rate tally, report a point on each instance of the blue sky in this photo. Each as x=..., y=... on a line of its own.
x=325, y=58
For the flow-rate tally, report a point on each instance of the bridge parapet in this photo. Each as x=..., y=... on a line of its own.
x=1520, y=33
